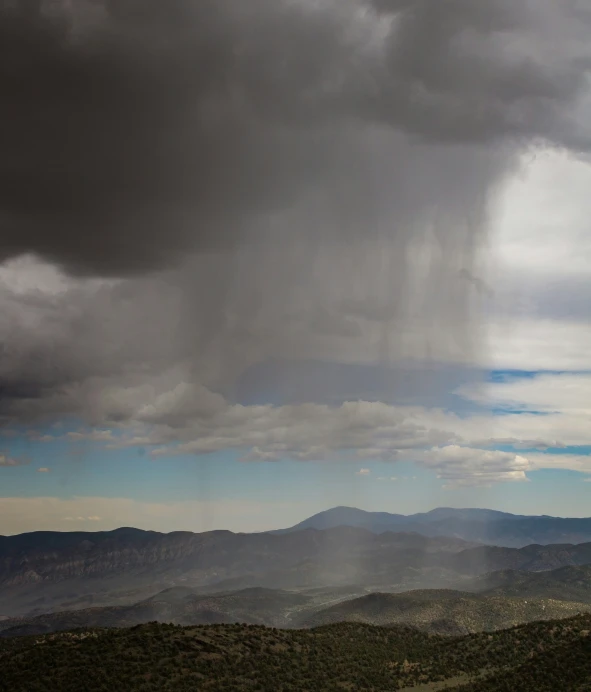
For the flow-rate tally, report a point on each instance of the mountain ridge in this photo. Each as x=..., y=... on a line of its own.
x=489, y=527
x=67, y=572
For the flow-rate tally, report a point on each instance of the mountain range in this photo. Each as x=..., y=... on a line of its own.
x=45, y=572
x=476, y=525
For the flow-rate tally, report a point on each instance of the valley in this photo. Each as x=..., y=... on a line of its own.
x=298, y=579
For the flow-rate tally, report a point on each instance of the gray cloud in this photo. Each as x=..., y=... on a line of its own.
x=181, y=419
x=262, y=180
x=307, y=432
x=134, y=134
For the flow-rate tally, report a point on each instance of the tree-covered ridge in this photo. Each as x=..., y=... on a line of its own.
x=331, y=658
x=445, y=612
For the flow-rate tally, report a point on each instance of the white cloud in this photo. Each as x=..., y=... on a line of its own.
x=27, y=276
x=43, y=469
x=363, y=472
x=565, y=393
x=307, y=432
x=543, y=216
x=523, y=342
x=465, y=466
x=375, y=431
x=378, y=431
x=6, y=461
x=548, y=410
x=539, y=264
x=572, y=462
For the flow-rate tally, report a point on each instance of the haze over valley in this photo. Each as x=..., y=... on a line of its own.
x=308, y=575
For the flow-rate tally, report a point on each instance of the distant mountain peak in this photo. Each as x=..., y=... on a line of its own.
x=484, y=526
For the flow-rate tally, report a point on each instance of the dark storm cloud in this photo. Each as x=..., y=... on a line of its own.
x=158, y=129
x=271, y=179
x=135, y=132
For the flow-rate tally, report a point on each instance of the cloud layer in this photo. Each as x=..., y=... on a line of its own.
x=544, y=412
x=192, y=189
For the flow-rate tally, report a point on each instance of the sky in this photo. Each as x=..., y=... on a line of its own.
x=262, y=259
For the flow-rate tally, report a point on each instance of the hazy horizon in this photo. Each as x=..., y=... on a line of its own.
x=238, y=527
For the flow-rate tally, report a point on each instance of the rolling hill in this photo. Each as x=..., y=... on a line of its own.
x=445, y=611
x=496, y=600
x=572, y=583
x=181, y=606
x=553, y=656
